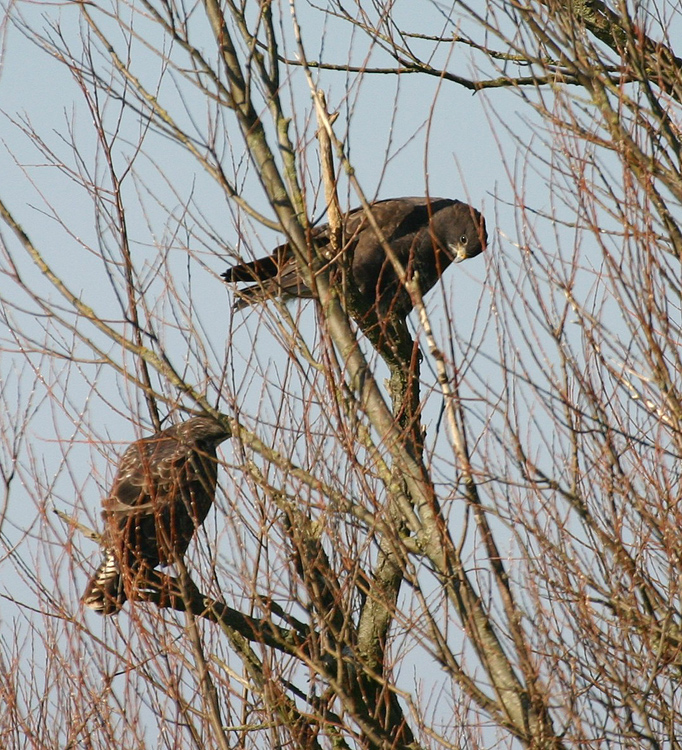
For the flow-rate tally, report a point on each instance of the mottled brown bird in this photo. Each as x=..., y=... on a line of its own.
x=162, y=492
x=426, y=235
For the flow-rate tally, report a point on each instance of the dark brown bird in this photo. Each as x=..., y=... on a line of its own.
x=426, y=235
x=162, y=492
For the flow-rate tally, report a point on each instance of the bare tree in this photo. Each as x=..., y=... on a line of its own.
x=460, y=533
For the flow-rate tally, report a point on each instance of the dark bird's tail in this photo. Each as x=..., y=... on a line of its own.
x=273, y=276
x=255, y=270
x=261, y=272
x=104, y=593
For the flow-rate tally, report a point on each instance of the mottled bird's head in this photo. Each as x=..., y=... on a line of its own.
x=201, y=429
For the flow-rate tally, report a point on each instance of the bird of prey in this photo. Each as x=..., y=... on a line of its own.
x=425, y=234
x=162, y=492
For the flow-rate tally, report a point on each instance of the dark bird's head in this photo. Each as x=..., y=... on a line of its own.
x=460, y=230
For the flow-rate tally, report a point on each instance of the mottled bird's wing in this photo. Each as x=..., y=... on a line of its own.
x=162, y=492
x=149, y=469
x=389, y=214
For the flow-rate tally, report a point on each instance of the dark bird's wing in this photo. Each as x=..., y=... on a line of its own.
x=402, y=221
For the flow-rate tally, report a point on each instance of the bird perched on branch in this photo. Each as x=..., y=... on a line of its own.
x=162, y=492
x=425, y=234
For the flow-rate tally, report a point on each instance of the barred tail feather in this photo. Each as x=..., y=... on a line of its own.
x=287, y=286
x=254, y=294
x=104, y=593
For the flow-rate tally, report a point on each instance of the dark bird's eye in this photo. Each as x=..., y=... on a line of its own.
x=464, y=239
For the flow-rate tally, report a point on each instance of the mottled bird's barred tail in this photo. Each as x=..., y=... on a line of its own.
x=104, y=592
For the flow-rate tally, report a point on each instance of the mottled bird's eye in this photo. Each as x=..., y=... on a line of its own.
x=464, y=239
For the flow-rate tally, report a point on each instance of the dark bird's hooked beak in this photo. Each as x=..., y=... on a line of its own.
x=458, y=251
